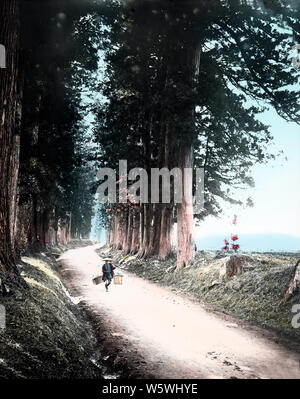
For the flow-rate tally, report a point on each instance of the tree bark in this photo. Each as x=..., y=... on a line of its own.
x=141, y=229
x=294, y=284
x=128, y=233
x=135, y=233
x=111, y=232
x=120, y=225
x=165, y=232
x=124, y=228
x=147, y=229
x=9, y=145
x=166, y=217
x=185, y=218
x=153, y=246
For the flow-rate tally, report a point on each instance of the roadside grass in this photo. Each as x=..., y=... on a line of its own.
x=256, y=296
x=46, y=334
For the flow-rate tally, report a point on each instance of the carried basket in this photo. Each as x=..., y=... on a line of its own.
x=97, y=280
x=118, y=279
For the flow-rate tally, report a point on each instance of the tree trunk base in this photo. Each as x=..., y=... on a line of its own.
x=294, y=284
x=235, y=266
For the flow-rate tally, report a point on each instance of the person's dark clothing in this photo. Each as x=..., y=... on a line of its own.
x=107, y=273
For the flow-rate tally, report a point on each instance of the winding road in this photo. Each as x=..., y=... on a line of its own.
x=155, y=332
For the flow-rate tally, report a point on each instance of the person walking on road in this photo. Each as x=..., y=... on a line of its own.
x=107, y=272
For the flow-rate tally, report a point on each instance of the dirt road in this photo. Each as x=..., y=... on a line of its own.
x=152, y=332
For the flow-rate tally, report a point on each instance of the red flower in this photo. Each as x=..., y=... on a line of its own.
x=226, y=248
x=226, y=242
x=234, y=237
x=108, y=210
x=235, y=247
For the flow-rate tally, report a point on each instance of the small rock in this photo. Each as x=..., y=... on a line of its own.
x=214, y=283
x=232, y=325
x=171, y=269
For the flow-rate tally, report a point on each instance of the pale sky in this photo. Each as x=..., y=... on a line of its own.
x=276, y=194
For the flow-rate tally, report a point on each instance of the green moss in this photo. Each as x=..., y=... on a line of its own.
x=46, y=335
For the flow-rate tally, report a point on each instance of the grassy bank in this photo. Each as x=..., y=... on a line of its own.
x=47, y=335
x=255, y=296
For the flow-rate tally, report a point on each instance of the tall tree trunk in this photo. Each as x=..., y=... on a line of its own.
x=9, y=37
x=165, y=222
x=147, y=229
x=154, y=239
x=111, y=233
x=121, y=225
x=141, y=229
x=14, y=190
x=128, y=232
x=165, y=232
x=114, y=232
x=147, y=216
x=125, y=226
x=185, y=218
x=135, y=233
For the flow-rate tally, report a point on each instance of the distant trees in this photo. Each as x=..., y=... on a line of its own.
x=179, y=78
x=46, y=178
x=55, y=185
